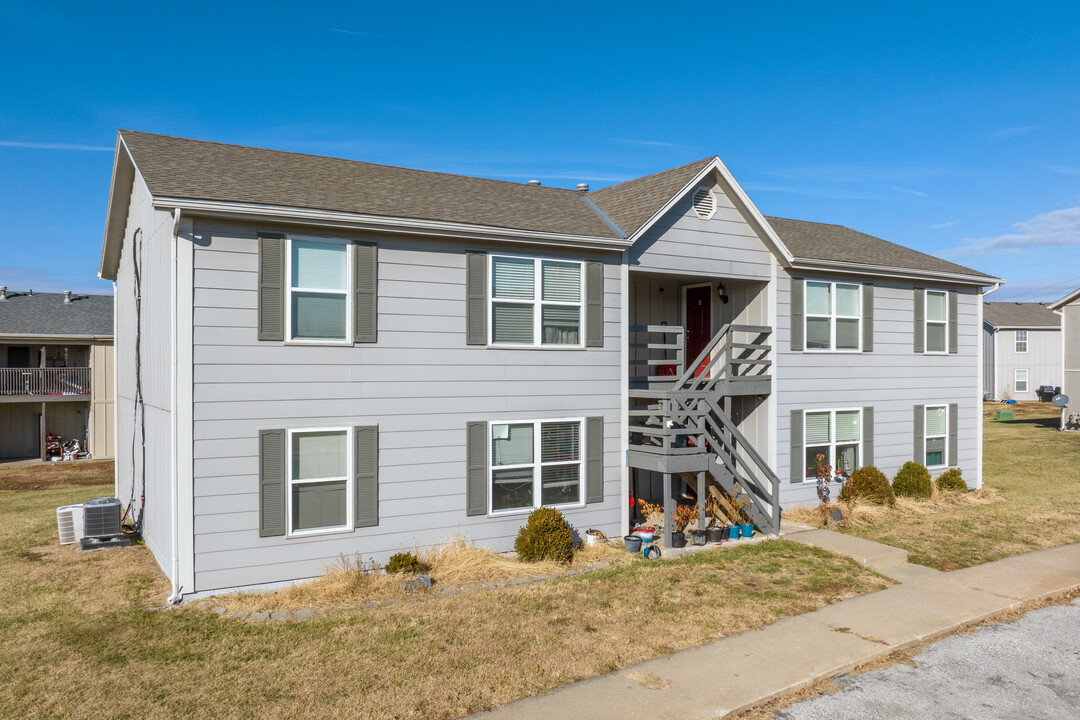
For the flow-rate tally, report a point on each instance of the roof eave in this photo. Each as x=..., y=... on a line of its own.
x=849, y=268
x=1065, y=300
x=378, y=223
x=734, y=191
x=120, y=185
x=59, y=337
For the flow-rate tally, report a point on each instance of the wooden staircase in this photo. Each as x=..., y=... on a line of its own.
x=680, y=417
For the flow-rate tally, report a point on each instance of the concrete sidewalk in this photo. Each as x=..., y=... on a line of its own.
x=741, y=671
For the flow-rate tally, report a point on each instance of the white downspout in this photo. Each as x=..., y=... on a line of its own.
x=177, y=589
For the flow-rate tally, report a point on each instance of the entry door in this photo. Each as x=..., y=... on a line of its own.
x=698, y=324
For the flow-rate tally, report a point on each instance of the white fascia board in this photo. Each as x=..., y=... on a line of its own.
x=732, y=189
x=120, y=184
x=847, y=268
x=1065, y=300
x=375, y=223
x=1025, y=327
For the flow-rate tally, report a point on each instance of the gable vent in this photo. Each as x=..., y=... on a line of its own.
x=704, y=203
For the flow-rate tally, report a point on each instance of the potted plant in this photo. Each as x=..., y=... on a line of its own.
x=714, y=533
x=680, y=519
x=633, y=543
x=697, y=535
x=824, y=475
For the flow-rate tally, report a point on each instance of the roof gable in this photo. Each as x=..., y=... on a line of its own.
x=632, y=203
x=1074, y=295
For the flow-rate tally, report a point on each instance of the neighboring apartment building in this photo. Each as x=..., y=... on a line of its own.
x=56, y=372
x=1069, y=307
x=1021, y=350
x=336, y=357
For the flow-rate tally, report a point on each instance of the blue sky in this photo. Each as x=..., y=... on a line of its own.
x=948, y=127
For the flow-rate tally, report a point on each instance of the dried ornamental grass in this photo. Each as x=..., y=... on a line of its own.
x=860, y=513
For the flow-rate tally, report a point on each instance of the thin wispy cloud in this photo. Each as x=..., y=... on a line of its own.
x=350, y=32
x=951, y=223
x=650, y=143
x=1060, y=228
x=814, y=191
x=1011, y=132
x=1062, y=170
x=897, y=188
x=53, y=146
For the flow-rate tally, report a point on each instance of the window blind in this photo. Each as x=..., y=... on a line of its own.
x=561, y=281
x=512, y=446
x=847, y=426
x=817, y=429
x=935, y=421
x=319, y=455
x=560, y=442
x=513, y=278
x=319, y=266
x=847, y=300
x=818, y=298
x=512, y=323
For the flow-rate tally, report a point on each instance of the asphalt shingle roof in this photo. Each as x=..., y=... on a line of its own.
x=836, y=243
x=1020, y=315
x=48, y=314
x=632, y=203
x=200, y=170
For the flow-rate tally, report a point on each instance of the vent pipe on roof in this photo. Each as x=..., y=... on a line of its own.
x=67, y=296
x=583, y=187
x=534, y=182
x=3, y=292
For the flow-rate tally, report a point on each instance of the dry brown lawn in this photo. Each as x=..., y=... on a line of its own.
x=1031, y=472
x=78, y=641
x=21, y=478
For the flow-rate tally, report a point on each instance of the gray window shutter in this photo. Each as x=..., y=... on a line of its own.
x=797, y=313
x=366, y=476
x=920, y=320
x=594, y=459
x=867, y=318
x=476, y=331
x=271, y=483
x=954, y=329
x=271, y=287
x=867, y=436
x=954, y=433
x=476, y=461
x=796, y=446
x=594, y=304
x=918, y=434
x=366, y=297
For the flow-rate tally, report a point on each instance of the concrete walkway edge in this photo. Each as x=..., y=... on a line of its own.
x=738, y=672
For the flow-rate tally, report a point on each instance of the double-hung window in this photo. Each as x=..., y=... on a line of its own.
x=317, y=306
x=833, y=316
x=936, y=434
x=1021, y=341
x=1020, y=380
x=937, y=323
x=534, y=464
x=319, y=493
x=536, y=302
x=835, y=434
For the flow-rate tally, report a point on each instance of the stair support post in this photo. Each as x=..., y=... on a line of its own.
x=669, y=510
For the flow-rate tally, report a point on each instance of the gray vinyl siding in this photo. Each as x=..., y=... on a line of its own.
x=420, y=383
x=988, y=359
x=156, y=349
x=723, y=246
x=1071, y=384
x=892, y=379
x=1042, y=361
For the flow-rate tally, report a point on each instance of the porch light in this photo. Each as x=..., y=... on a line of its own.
x=721, y=293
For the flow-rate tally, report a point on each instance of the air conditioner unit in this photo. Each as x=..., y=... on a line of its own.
x=101, y=518
x=69, y=523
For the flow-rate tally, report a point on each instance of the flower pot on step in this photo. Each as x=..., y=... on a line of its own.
x=715, y=534
x=697, y=537
x=633, y=543
x=732, y=532
x=747, y=530
x=678, y=540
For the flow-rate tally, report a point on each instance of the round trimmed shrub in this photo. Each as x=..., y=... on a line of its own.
x=869, y=485
x=951, y=479
x=405, y=562
x=545, y=536
x=913, y=480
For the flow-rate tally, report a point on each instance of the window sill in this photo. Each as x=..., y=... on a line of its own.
x=342, y=530
x=320, y=343
x=496, y=514
x=493, y=346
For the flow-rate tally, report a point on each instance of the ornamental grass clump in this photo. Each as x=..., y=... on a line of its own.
x=869, y=485
x=545, y=536
x=913, y=481
x=951, y=481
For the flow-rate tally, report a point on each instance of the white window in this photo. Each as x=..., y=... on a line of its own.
x=319, y=494
x=833, y=316
x=534, y=464
x=937, y=323
x=536, y=302
x=317, y=308
x=1021, y=341
x=936, y=435
x=834, y=434
x=1020, y=380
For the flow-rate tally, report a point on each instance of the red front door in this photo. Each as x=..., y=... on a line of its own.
x=698, y=324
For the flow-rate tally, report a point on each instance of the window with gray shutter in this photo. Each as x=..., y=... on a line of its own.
x=867, y=318
x=366, y=472
x=476, y=468
x=868, y=436
x=365, y=298
x=920, y=320
x=271, y=483
x=476, y=332
x=797, y=321
x=796, y=430
x=918, y=435
x=954, y=434
x=594, y=459
x=271, y=287
x=954, y=328
x=594, y=304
